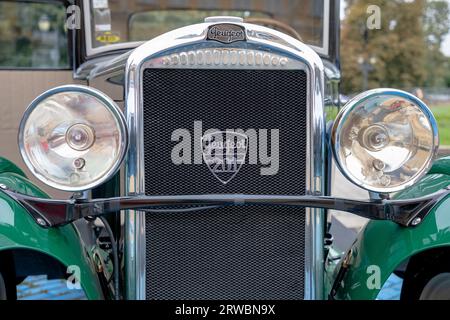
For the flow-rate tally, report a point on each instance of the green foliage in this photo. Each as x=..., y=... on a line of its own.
x=405, y=52
x=442, y=114
x=436, y=27
x=22, y=44
x=447, y=73
x=436, y=22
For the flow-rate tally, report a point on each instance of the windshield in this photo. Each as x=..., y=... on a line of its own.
x=116, y=24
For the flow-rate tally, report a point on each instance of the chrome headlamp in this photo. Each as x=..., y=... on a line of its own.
x=73, y=138
x=385, y=140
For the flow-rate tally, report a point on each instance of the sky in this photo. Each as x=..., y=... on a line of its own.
x=445, y=46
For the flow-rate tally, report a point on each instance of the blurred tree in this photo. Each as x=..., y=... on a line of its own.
x=436, y=27
x=21, y=37
x=394, y=55
x=447, y=72
x=436, y=21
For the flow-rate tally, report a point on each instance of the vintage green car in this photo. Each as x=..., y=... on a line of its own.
x=200, y=162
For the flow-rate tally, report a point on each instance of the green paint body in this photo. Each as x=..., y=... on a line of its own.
x=386, y=245
x=19, y=231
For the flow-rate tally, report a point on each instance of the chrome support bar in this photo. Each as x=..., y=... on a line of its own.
x=54, y=213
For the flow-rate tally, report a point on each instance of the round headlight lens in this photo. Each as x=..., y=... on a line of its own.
x=385, y=140
x=73, y=138
x=80, y=137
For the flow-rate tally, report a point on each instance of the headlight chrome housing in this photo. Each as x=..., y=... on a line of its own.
x=385, y=140
x=73, y=138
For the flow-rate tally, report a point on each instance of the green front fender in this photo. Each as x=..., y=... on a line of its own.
x=382, y=246
x=19, y=231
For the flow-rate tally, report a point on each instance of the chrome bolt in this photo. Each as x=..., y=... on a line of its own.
x=79, y=163
x=385, y=180
x=416, y=222
x=79, y=195
x=41, y=222
x=379, y=165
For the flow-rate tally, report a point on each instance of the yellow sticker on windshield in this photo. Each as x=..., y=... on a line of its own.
x=108, y=37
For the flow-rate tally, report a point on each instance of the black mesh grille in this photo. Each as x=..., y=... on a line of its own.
x=229, y=253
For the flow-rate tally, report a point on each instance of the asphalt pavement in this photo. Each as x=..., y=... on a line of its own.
x=346, y=226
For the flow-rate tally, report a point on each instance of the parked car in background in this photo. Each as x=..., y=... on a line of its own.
x=196, y=140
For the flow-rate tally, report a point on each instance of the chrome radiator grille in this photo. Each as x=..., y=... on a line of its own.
x=227, y=253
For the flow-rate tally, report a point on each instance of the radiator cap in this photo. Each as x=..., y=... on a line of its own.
x=220, y=19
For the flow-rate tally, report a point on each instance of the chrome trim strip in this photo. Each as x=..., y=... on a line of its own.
x=231, y=58
x=326, y=31
x=112, y=65
x=152, y=54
